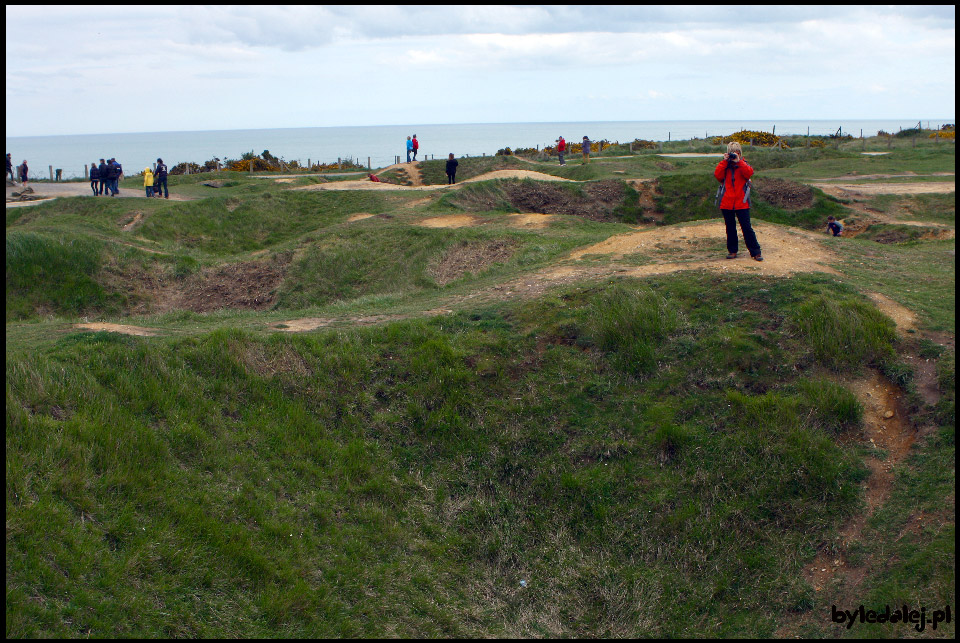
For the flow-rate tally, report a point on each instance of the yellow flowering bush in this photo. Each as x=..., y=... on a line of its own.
x=750, y=137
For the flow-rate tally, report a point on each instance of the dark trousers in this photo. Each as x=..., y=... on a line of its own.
x=451, y=178
x=162, y=182
x=730, y=218
x=103, y=186
x=95, y=186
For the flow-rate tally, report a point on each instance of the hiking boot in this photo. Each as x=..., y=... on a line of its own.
x=732, y=255
x=758, y=258
x=167, y=197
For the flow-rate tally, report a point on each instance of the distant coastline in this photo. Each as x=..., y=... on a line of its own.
x=383, y=143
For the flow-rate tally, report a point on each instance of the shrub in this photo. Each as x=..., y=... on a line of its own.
x=751, y=137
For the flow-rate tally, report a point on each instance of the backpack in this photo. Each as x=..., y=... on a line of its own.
x=723, y=187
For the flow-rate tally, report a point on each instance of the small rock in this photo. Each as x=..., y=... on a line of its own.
x=888, y=414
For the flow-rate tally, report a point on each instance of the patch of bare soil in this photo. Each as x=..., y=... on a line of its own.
x=359, y=216
x=118, y=328
x=469, y=257
x=848, y=190
x=784, y=194
x=130, y=222
x=530, y=220
x=450, y=221
x=313, y=323
x=785, y=250
x=901, y=316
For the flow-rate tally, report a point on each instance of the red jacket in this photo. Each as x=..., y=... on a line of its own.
x=734, y=189
x=416, y=145
x=562, y=145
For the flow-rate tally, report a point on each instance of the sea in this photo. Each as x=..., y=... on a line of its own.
x=382, y=145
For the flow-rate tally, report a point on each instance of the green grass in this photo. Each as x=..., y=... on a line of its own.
x=631, y=458
x=338, y=483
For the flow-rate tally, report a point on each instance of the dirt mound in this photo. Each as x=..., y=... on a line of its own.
x=250, y=285
x=597, y=203
x=469, y=257
x=784, y=194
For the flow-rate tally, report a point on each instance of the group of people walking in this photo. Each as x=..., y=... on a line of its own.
x=105, y=177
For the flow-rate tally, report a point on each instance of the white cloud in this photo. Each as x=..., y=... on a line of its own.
x=303, y=64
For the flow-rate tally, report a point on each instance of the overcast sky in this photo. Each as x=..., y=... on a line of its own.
x=86, y=69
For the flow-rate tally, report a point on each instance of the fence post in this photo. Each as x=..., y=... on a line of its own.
x=84, y=170
x=51, y=172
x=368, y=162
x=251, y=166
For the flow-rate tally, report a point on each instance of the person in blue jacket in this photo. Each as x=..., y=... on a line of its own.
x=94, y=178
x=104, y=181
x=160, y=179
x=409, y=148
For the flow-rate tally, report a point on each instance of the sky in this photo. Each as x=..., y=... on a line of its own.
x=88, y=69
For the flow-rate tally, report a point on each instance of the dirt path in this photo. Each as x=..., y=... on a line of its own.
x=55, y=190
x=848, y=190
x=887, y=430
x=119, y=328
x=371, y=185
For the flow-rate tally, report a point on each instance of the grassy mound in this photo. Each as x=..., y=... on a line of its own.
x=430, y=477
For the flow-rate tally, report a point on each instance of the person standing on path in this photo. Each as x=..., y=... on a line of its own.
x=561, y=149
x=160, y=179
x=416, y=146
x=452, y=164
x=733, y=172
x=104, y=181
x=409, y=148
x=10, y=168
x=23, y=173
x=94, y=178
x=148, y=182
x=112, y=178
x=586, y=149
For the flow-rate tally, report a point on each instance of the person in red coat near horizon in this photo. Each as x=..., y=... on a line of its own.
x=561, y=149
x=416, y=146
x=733, y=172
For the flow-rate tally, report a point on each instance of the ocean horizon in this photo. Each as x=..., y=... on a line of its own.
x=381, y=144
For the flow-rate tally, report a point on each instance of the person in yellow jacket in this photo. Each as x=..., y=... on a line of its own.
x=148, y=181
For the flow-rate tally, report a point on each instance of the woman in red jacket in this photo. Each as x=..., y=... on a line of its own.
x=734, y=172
